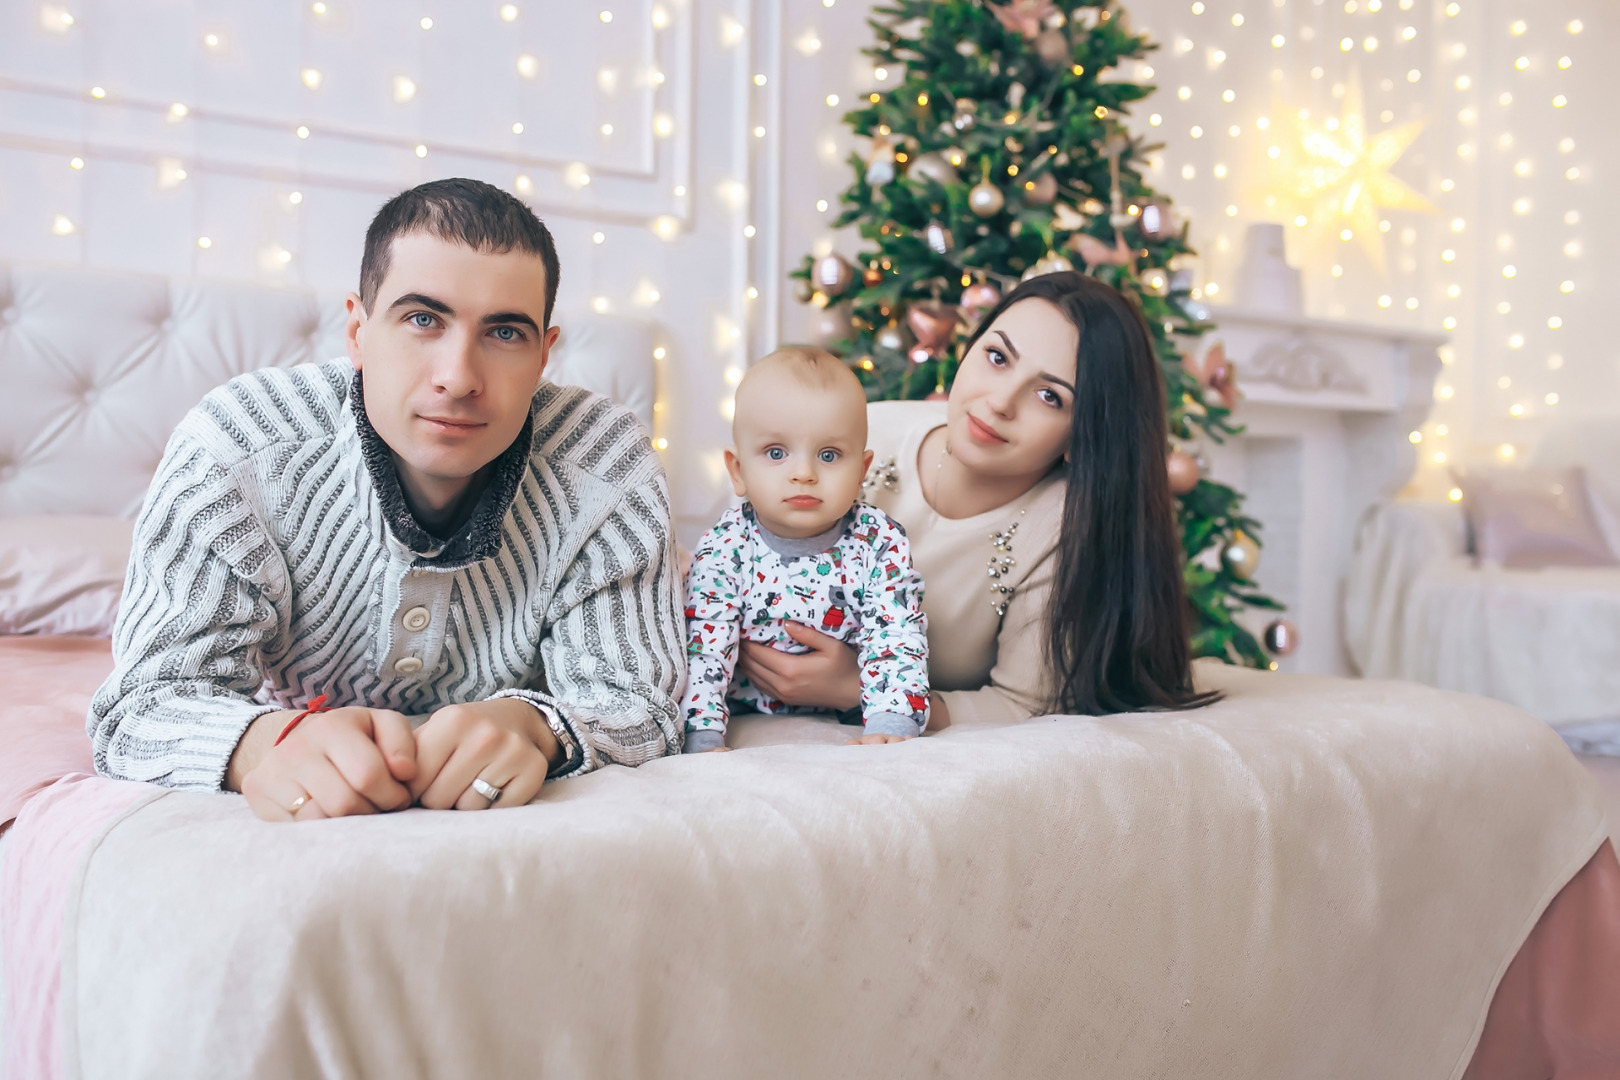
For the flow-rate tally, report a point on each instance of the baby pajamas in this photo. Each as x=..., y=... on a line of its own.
x=854, y=583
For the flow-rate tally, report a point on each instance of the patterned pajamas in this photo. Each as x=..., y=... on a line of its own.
x=862, y=590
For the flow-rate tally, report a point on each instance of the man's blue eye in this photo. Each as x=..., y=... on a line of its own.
x=422, y=319
x=506, y=333
x=776, y=453
x=828, y=456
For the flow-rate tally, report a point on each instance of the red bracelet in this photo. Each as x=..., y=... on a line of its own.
x=318, y=705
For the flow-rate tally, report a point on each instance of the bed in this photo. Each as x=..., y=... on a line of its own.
x=1315, y=877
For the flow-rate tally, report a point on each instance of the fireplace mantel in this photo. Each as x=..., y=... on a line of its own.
x=1327, y=411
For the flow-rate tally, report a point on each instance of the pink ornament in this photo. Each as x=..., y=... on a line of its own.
x=1282, y=638
x=979, y=298
x=1183, y=468
x=1096, y=253
x=933, y=323
x=1026, y=18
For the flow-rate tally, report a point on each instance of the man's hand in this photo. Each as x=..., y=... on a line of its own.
x=334, y=764
x=506, y=743
x=827, y=677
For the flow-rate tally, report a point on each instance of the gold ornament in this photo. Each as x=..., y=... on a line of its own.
x=932, y=166
x=1241, y=556
x=1050, y=263
x=986, y=200
x=892, y=338
x=880, y=163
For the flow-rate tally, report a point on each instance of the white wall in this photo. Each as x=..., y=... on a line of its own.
x=743, y=151
x=1465, y=62
x=658, y=232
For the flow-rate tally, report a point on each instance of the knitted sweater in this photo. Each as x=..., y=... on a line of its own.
x=275, y=559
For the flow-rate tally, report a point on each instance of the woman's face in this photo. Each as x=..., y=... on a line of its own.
x=1011, y=403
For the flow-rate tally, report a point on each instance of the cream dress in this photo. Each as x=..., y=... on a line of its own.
x=986, y=578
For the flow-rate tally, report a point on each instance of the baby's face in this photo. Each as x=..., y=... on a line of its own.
x=800, y=455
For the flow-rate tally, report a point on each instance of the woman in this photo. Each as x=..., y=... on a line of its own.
x=1040, y=517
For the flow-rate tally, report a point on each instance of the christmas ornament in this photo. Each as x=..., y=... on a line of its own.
x=880, y=164
x=1066, y=218
x=939, y=238
x=829, y=325
x=1213, y=359
x=933, y=323
x=986, y=200
x=1093, y=252
x=1023, y=17
x=872, y=275
x=802, y=291
x=1223, y=389
x=1184, y=472
x=979, y=298
x=967, y=114
x=1050, y=263
x=1052, y=47
x=1241, y=556
x=932, y=166
x=892, y=338
x=1015, y=96
x=1157, y=221
x=1040, y=190
x=833, y=275
x=1281, y=638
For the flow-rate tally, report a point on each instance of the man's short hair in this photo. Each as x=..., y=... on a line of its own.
x=458, y=211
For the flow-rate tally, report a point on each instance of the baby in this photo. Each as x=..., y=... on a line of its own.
x=802, y=548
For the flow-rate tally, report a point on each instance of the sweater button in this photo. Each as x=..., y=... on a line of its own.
x=416, y=619
x=407, y=665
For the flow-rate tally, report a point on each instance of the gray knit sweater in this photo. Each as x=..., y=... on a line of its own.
x=275, y=559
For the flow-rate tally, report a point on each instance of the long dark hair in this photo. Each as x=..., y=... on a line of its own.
x=1118, y=620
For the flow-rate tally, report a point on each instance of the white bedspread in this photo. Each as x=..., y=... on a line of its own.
x=1418, y=608
x=1314, y=878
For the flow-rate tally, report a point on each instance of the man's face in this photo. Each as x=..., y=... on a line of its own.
x=452, y=352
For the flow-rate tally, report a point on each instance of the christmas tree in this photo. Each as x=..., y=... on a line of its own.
x=999, y=151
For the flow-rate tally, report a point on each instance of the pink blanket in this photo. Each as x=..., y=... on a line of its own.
x=45, y=689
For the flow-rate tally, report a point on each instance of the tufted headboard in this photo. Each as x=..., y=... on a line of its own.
x=97, y=367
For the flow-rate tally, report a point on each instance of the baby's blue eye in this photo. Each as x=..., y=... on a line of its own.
x=776, y=453
x=828, y=456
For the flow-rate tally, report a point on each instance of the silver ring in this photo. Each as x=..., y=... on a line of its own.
x=486, y=789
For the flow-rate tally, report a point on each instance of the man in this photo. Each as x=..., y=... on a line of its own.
x=421, y=530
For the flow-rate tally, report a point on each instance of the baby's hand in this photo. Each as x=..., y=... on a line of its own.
x=874, y=740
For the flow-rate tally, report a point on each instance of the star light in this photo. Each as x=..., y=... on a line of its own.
x=1338, y=175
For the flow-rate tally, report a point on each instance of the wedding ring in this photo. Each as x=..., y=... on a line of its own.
x=298, y=804
x=486, y=789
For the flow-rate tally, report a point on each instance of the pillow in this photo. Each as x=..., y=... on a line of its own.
x=1527, y=519
x=62, y=575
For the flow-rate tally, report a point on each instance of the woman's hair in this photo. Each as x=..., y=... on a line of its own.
x=1118, y=619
